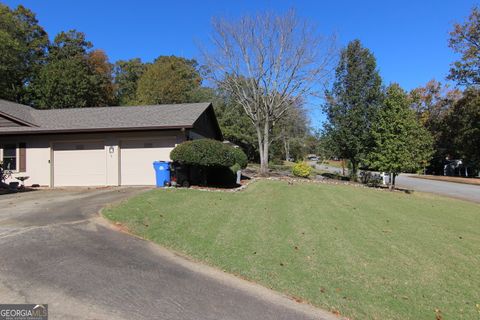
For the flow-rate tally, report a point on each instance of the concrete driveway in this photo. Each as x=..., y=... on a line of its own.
x=55, y=249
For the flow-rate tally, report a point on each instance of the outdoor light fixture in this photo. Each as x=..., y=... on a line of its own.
x=111, y=149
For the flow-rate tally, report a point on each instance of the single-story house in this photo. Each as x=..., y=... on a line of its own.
x=106, y=146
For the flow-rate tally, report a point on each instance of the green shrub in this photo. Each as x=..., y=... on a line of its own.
x=235, y=168
x=208, y=153
x=240, y=158
x=203, y=152
x=301, y=169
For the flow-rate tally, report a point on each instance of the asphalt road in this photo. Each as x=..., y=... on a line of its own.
x=55, y=249
x=456, y=190
x=449, y=189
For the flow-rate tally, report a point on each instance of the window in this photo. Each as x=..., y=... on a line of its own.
x=10, y=157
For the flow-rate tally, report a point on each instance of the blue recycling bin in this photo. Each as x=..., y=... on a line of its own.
x=162, y=173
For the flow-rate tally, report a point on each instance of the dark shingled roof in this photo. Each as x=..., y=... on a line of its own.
x=16, y=111
x=104, y=118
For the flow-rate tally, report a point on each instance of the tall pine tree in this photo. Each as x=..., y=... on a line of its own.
x=352, y=103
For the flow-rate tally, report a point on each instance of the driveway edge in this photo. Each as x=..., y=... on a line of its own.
x=225, y=278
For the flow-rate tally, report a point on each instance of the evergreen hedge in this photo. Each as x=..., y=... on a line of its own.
x=208, y=153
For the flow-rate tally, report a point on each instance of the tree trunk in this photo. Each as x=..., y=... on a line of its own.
x=286, y=146
x=263, y=164
x=392, y=181
x=266, y=147
x=353, y=174
x=263, y=146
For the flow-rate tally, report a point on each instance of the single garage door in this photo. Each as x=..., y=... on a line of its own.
x=79, y=164
x=137, y=157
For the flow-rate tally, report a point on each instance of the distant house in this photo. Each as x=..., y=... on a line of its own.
x=108, y=146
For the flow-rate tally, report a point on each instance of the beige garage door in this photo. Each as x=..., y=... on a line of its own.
x=137, y=157
x=79, y=164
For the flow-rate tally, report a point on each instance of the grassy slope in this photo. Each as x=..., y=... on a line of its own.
x=369, y=254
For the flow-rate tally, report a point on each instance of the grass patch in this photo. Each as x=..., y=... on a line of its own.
x=284, y=166
x=333, y=163
x=368, y=254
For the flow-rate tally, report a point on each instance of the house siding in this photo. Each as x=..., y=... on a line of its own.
x=39, y=152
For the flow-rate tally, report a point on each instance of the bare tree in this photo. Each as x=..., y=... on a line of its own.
x=268, y=63
x=291, y=130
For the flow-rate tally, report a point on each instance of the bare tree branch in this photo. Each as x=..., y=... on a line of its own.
x=268, y=63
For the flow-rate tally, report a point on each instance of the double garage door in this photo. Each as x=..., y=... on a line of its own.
x=85, y=163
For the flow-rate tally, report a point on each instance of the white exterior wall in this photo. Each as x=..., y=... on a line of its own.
x=37, y=159
x=39, y=152
x=113, y=161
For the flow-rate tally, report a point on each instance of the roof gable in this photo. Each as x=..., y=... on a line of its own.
x=6, y=122
x=207, y=124
x=105, y=118
x=17, y=112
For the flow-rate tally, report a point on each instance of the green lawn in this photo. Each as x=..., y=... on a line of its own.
x=368, y=254
x=334, y=163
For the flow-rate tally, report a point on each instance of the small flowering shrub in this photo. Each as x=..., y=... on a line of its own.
x=301, y=169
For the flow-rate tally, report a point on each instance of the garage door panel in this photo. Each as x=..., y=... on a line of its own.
x=137, y=157
x=79, y=164
x=148, y=144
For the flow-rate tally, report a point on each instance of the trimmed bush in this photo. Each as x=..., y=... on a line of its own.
x=240, y=158
x=203, y=152
x=208, y=153
x=301, y=169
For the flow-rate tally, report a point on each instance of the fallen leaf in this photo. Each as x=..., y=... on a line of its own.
x=336, y=312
